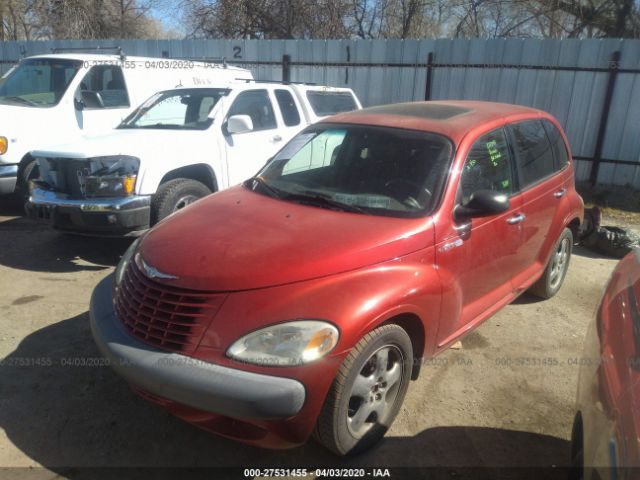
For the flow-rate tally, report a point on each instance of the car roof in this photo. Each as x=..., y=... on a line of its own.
x=452, y=118
x=103, y=57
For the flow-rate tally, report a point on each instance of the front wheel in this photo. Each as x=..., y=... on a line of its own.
x=27, y=172
x=551, y=281
x=175, y=195
x=368, y=391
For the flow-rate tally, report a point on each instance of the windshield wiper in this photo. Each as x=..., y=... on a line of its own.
x=24, y=101
x=320, y=199
x=254, y=182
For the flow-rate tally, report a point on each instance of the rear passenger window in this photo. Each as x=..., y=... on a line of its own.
x=533, y=152
x=488, y=166
x=288, y=107
x=557, y=145
x=329, y=103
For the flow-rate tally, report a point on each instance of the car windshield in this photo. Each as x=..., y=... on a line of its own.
x=184, y=109
x=362, y=169
x=38, y=82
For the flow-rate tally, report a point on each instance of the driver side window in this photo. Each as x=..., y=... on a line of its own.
x=488, y=166
x=257, y=105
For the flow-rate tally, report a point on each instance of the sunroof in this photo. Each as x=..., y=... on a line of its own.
x=421, y=110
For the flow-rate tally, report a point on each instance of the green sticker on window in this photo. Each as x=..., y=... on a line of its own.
x=494, y=154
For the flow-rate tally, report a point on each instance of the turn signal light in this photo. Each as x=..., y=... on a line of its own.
x=128, y=184
x=4, y=145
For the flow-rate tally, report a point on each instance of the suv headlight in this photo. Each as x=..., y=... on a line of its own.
x=111, y=176
x=286, y=344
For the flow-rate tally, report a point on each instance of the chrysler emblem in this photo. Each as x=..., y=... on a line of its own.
x=153, y=272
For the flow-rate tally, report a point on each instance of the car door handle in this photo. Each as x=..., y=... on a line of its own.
x=516, y=219
x=560, y=193
x=277, y=138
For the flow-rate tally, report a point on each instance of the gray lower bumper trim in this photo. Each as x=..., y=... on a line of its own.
x=205, y=386
x=8, y=178
x=40, y=196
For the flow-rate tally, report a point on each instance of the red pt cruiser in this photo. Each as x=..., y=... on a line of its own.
x=304, y=300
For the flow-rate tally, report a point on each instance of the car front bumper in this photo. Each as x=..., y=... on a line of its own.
x=8, y=178
x=97, y=216
x=204, y=386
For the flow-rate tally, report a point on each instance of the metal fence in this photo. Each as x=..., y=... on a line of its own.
x=591, y=86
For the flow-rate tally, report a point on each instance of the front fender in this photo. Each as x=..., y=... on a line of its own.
x=356, y=302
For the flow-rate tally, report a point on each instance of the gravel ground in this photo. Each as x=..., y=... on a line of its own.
x=505, y=399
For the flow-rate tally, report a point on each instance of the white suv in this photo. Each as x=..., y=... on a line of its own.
x=177, y=147
x=49, y=99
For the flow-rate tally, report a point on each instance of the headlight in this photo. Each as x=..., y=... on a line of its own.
x=124, y=261
x=4, y=145
x=286, y=344
x=111, y=185
x=109, y=176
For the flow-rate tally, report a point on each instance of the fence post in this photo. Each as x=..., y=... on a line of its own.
x=427, y=87
x=286, y=68
x=604, y=116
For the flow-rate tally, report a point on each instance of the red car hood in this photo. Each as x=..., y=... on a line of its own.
x=240, y=240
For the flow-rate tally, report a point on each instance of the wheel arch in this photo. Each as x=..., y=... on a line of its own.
x=24, y=161
x=574, y=226
x=199, y=172
x=414, y=326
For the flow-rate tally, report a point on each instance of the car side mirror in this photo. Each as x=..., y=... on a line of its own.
x=78, y=104
x=239, y=124
x=482, y=203
x=91, y=99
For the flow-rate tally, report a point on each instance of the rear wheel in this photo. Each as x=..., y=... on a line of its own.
x=551, y=281
x=367, y=393
x=175, y=195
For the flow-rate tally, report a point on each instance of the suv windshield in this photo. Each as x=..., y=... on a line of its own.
x=363, y=169
x=38, y=82
x=184, y=109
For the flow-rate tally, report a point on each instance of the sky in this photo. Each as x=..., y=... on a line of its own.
x=168, y=17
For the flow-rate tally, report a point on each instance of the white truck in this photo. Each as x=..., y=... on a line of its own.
x=177, y=147
x=48, y=99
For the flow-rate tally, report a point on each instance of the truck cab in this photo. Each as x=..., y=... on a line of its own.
x=175, y=148
x=50, y=99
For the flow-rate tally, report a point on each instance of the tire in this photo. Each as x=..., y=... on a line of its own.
x=175, y=195
x=553, y=277
x=576, y=471
x=25, y=173
x=340, y=426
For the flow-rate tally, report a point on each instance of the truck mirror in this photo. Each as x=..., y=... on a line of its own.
x=91, y=99
x=239, y=124
x=78, y=104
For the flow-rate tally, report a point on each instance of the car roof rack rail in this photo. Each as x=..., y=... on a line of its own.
x=98, y=48
x=222, y=60
x=282, y=82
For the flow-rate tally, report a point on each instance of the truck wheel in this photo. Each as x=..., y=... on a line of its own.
x=551, y=281
x=175, y=195
x=25, y=173
x=367, y=393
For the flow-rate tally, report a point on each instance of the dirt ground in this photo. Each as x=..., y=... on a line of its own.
x=491, y=403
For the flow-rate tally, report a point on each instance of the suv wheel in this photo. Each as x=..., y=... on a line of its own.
x=175, y=195
x=551, y=281
x=26, y=173
x=367, y=393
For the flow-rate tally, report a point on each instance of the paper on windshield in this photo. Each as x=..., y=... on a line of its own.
x=294, y=145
